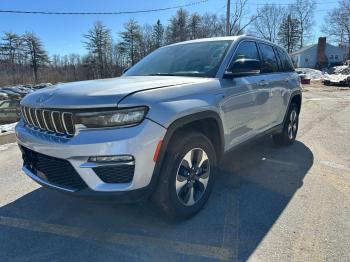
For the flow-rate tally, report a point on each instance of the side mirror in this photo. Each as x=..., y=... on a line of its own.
x=125, y=70
x=243, y=67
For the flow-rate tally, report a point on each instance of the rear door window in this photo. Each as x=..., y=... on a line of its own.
x=287, y=65
x=269, y=62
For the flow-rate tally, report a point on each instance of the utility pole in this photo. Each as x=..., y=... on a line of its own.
x=228, y=17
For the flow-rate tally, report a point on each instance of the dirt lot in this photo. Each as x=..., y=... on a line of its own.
x=269, y=204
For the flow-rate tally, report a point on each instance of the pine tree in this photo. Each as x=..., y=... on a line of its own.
x=177, y=30
x=131, y=38
x=289, y=33
x=158, y=34
x=35, y=51
x=99, y=44
x=194, y=26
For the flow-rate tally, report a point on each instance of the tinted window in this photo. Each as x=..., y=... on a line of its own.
x=200, y=59
x=286, y=62
x=269, y=62
x=246, y=50
x=279, y=60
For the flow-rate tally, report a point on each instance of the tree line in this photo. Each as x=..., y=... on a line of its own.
x=23, y=58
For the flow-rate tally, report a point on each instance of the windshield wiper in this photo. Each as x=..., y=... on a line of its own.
x=179, y=74
x=161, y=74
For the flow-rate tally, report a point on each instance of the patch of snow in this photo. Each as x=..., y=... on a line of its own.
x=7, y=127
x=313, y=74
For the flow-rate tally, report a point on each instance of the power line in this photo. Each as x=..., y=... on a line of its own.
x=102, y=13
x=317, y=3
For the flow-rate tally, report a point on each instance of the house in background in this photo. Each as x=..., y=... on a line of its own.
x=319, y=55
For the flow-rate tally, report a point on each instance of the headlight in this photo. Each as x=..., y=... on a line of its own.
x=115, y=118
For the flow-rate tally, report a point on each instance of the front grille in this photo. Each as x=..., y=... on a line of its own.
x=115, y=174
x=53, y=170
x=57, y=122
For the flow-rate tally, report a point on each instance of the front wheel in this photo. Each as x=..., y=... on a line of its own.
x=290, y=127
x=187, y=175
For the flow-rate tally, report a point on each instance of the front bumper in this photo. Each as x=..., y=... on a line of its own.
x=139, y=141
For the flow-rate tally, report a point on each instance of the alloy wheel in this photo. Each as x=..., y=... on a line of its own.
x=293, y=124
x=192, y=176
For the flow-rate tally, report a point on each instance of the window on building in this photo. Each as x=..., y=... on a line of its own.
x=336, y=57
x=331, y=57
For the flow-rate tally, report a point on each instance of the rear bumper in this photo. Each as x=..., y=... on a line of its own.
x=140, y=142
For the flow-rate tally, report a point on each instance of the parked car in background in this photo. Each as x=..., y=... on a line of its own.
x=9, y=111
x=16, y=90
x=42, y=85
x=3, y=96
x=11, y=94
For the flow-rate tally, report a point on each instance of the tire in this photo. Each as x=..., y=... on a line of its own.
x=290, y=127
x=177, y=180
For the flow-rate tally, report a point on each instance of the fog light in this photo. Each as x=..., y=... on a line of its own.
x=122, y=158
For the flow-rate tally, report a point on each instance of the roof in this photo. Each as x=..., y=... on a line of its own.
x=303, y=49
x=311, y=46
x=232, y=38
x=223, y=38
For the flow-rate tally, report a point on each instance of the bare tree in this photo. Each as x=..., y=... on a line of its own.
x=37, y=54
x=337, y=24
x=239, y=21
x=267, y=23
x=146, y=44
x=303, y=11
x=212, y=26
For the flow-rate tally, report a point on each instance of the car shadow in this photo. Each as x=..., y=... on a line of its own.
x=253, y=187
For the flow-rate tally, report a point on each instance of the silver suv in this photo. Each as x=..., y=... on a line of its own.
x=160, y=129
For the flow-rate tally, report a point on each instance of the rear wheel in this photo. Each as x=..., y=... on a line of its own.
x=187, y=175
x=290, y=128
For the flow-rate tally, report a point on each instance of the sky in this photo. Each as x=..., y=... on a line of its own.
x=64, y=34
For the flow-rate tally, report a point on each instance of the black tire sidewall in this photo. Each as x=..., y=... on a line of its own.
x=177, y=150
x=293, y=107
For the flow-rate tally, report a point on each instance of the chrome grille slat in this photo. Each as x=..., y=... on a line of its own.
x=52, y=121
x=36, y=112
x=32, y=117
x=23, y=111
x=48, y=120
x=67, y=120
x=44, y=120
x=27, y=114
x=63, y=123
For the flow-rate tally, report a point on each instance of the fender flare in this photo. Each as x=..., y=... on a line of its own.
x=174, y=126
x=293, y=94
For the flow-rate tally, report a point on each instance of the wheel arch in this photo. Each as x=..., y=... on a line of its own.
x=296, y=97
x=200, y=121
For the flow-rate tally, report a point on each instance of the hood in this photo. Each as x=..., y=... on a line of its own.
x=100, y=93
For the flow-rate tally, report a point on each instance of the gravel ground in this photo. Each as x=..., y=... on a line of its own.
x=269, y=204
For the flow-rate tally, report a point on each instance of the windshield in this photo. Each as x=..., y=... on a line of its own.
x=200, y=59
